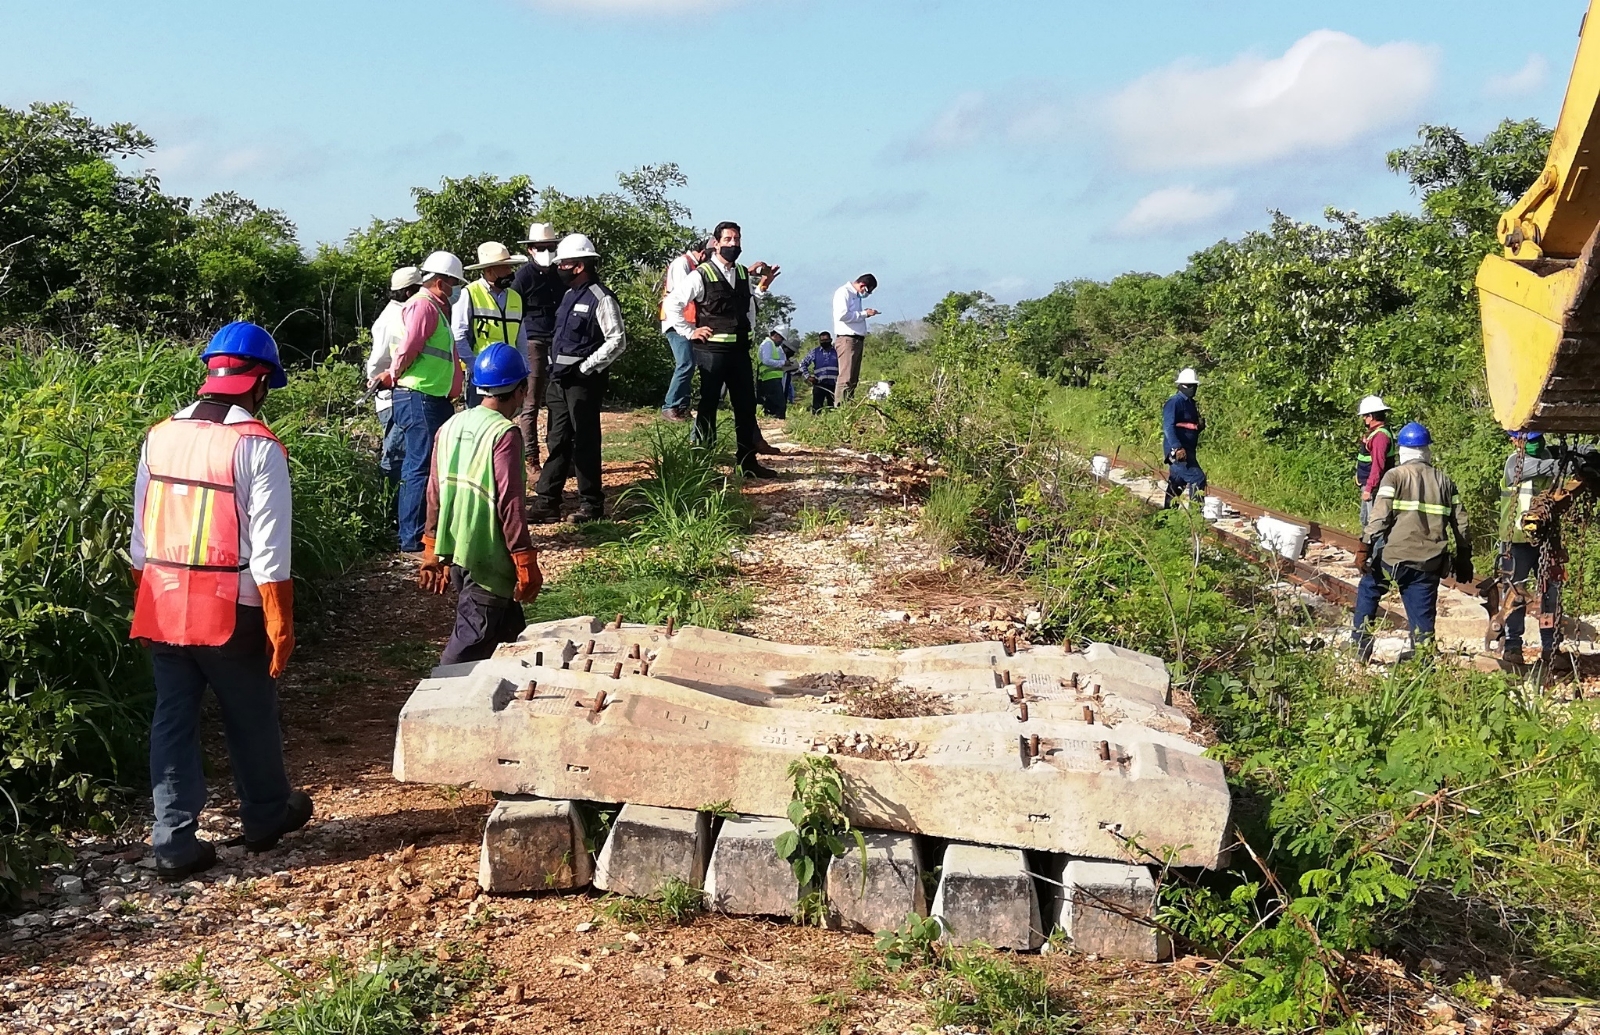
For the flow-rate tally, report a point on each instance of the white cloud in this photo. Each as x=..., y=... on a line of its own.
x=1173, y=208
x=878, y=203
x=1326, y=91
x=1525, y=80
x=1023, y=114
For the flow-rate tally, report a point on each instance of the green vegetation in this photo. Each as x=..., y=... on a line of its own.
x=676, y=901
x=982, y=990
x=385, y=995
x=816, y=811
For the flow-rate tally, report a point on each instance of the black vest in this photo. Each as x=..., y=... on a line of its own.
x=542, y=291
x=577, y=331
x=725, y=309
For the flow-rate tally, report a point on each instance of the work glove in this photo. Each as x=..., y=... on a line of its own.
x=1178, y=456
x=434, y=575
x=277, y=606
x=1463, y=569
x=529, y=578
x=1363, y=557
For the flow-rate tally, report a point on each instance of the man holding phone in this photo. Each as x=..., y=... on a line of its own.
x=850, y=331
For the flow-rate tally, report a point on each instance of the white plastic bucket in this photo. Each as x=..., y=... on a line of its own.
x=1214, y=509
x=1282, y=537
x=1100, y=466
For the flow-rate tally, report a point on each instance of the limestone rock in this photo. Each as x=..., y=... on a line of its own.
x=649, y=846
x=531, y=844
x=892, y=889
x=987, y=895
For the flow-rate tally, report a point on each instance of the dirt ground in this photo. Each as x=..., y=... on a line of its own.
x=105, y=948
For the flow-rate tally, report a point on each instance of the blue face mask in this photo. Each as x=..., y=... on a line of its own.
x=455, y=294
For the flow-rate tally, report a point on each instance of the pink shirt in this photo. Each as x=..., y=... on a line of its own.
x=420, y=317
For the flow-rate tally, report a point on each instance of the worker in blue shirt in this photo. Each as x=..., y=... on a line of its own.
x=1181, y=425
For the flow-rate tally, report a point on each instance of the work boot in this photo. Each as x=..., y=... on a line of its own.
x=543, y=512
x=756, y=469
x=587, y=512
x=204, y=859
x=678, y=414
x=296, y=814
x=1513, y=655
x=767, y=448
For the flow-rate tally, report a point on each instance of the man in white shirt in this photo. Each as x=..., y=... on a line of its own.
x=387, y=330
x=850, y=331
x=676, y=406
x=721, y=328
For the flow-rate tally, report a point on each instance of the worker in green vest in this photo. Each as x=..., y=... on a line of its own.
x=489, y=311
x=1531, y=469
x=775, y=362
x=476, y=540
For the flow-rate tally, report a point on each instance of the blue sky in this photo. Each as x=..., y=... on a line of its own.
x=941, y=145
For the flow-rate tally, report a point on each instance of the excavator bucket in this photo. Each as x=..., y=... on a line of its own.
x=1541, y=316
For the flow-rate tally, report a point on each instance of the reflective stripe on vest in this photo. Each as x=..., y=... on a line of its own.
x=713, y=276
x=491, y=323
x=433, y=371
x=469, y=530
x=190, y=521
x=1439, y=509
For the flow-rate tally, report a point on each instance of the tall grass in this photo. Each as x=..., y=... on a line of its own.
x=74, y=693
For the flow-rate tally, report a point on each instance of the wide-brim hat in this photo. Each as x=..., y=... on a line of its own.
x=493, y=253
x=542, y=233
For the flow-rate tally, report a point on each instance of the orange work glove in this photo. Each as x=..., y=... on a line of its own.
x=529, y=578
x=434, y=577
x=277, y=605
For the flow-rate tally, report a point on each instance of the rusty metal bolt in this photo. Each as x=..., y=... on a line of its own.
x=588, y=648
x=1074, y=681
x=599, y=702
x=526, y=690
x=633, y=653
x=1005, y=678
x=618, y=623
x=672, y=621
x=1105, y=751
x=644, y=666
x=1033, y=746
x=616, y=670
x=1088, y=715
x=1022, y=711
x=588, y=664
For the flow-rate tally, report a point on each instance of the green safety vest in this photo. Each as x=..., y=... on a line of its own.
x=490, y=323
x=1515, y=501
x=764, y=372
x=469, y=531
x=433, y=371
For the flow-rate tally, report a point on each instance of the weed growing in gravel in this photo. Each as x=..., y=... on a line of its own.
x=814, y=521
x=990, y=993
x=676, y=901
x=189, y=977
x=816, y=811
x=915, y=944
x=386, y=995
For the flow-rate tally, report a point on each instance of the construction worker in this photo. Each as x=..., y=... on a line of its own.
x=775, y=362
x=1531, y=469
x=820, y=368
x=386, y=331
x=489, y=310
x=214, y=602
x=1407, y=541
x=1181, y=425
x=1378, y=451
x=540, y=288
x=720, y=324
x=477, y=540
x=850, y=331
x=588, y=339
x=426, y=376
x=676, y=405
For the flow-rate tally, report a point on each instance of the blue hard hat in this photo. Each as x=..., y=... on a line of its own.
x=244, y=340
x=499, y=366
x=1415, y=436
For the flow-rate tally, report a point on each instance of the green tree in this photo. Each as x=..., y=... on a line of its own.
x=1469, y=184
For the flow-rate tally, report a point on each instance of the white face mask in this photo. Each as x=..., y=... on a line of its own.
x=544, y=257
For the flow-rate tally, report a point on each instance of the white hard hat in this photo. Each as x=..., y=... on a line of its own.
x=1372, y=404
x=493, y=253
x=1187, y=376
x=444, y=264
x=575, y=246
x=404, y=277
x=542, y=233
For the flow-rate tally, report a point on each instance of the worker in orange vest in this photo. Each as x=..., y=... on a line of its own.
x=213, y=599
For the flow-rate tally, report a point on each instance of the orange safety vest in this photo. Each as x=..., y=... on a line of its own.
x=689, y=309
x=190, y=589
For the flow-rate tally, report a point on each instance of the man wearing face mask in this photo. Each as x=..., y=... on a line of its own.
x=426, y=376
x=588, y=339
x=540, y=287
x=676, y=406
x=724, y=317
x=489, y=312
x=850, y=331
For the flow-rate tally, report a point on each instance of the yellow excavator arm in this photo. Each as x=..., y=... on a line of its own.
x=1541, y=312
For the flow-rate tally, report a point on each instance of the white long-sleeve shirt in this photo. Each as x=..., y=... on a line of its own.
x=461, y=324
x=677, y=270
x=387, y=330
x=264, y=503
x=847, y=312
x=693, y=289
x=771, y=354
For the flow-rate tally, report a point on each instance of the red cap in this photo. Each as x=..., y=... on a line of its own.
x=232, y=375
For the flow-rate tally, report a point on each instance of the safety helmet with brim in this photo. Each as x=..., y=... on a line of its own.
x=1370, y=405
x=443, y=264
x=575, y=246
x=1414, y=436
x=404, y=277
x=238, y=356
x=1187, y=376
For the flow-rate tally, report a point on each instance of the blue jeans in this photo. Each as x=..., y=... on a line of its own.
x=419, y=417
x=393, y=451
x=1419, y=592
x=248, y=696
x=682, y=372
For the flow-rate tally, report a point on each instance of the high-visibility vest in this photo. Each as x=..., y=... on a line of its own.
x=666, y=289
x=491, y=323
x=1515, y=501
x=1364, y=458
x=433, y=371
x=190, y=587
x=766, y=373
x=725, y=307
x=469, y=530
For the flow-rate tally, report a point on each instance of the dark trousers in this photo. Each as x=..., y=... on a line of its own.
x=528, y=419
x=1419, y=591
x=774, y=395
x=1523, y=562
x=731, y=369
x=237, y=673
x=483, y=621
x=419, y=417
x=573, y=437
x=1184, y=474
x=821, y=396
